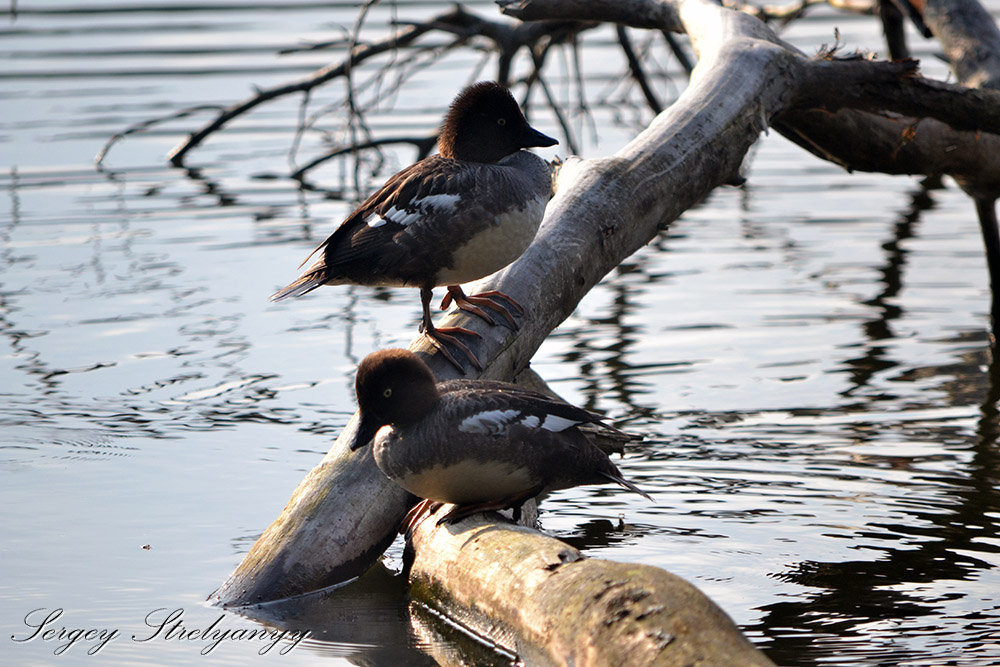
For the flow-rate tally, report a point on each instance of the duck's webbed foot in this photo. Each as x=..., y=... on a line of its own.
x=443, y=336
x=416, y=513
x=513, y=502
x=477, y=302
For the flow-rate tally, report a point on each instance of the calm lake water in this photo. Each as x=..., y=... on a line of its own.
x=806, y=356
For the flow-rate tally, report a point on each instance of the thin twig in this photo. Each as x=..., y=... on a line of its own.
x=355, y=119
x=557, y=110
x=424, y=146
x=635, y=66
x=146, y=124
x=582, y=107
x=315, y=46
x=678, y=51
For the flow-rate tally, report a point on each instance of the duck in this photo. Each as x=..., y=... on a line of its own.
x=451, y=218
x=477, y=444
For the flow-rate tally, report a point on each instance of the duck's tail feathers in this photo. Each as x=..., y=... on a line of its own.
x=608, y=439
x=306, y=283
x=619, y=434
x=618, y=479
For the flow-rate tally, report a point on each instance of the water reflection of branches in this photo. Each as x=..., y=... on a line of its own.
x=938, y=541
x=873, y=361
x=31, y=362
x=212, y=187
x=948, y=531
x=861, y=592
x=617, y=368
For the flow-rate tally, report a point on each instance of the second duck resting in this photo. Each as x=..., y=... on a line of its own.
x=450, y=218
x=478, y=444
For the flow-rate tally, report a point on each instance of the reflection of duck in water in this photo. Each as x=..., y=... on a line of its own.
x=448, y=219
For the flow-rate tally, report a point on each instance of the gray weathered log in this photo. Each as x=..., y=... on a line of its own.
x=541, y=599
x=907, y=144
x=970, y=39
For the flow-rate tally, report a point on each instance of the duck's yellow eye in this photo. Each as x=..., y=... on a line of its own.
x=387, y=392
x=501, y=121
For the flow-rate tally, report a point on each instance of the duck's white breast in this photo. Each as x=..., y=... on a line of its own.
x=497, y=245
x=468, y=481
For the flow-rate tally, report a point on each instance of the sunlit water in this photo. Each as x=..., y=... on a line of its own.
x=806, y=357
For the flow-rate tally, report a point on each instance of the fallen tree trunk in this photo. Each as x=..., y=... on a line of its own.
x=344, y=512
x=543, y=601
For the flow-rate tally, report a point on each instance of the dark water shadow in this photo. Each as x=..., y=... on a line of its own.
x=373, y=622
x=937, y=541
x=891, y=277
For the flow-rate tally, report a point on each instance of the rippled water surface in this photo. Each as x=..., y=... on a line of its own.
x=806, y=356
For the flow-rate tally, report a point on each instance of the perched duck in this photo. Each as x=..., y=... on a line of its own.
x=479, y=444
x=448, y=219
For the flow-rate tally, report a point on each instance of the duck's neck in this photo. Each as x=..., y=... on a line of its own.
x=470, y=149
x=415, y=409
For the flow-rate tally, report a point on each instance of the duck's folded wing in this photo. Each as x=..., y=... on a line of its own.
x=371, y=246
x=415, y=221
x=495, y=409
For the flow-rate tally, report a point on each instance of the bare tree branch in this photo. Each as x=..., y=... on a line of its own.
x=424, y=146
x=456, y=17
x=146, y=124
x=635, y=66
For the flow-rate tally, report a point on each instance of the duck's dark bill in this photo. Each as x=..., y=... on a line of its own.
x=532, y=137
x=364, y=431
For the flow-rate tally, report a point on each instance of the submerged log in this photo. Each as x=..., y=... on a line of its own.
x=541, y=599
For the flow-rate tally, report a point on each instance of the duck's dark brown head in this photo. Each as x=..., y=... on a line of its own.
x=394, y=387
x=485, y=124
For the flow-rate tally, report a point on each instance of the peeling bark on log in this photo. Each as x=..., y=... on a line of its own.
x=543, y=600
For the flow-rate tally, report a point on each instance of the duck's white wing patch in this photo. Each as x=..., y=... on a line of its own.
x=557, y=424
x=488, y=422
x=531, y=421
x=375, y=220
x=495, y=422
x=442, y=204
